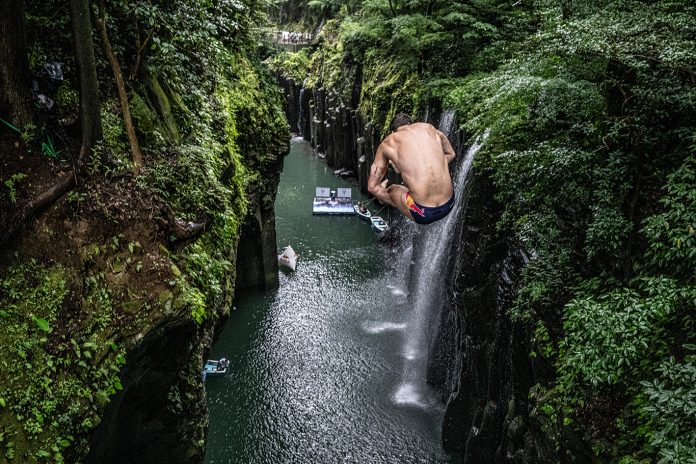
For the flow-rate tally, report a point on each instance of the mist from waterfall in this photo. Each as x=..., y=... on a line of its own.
x=425, y=284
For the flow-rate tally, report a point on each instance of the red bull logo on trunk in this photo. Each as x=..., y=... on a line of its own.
x=413, y=207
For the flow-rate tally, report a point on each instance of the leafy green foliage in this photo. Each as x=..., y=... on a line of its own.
x=210, y=121
x=632, y=332
x=672, y=233
x=609, y=288
x=292, y=65
x=11, y=185
x=208, y=175
x=308, y=15
x=399, y=46
x=672, y=405
x=50, y=387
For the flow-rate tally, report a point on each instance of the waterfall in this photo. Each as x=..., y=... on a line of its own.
x=447, y=125
x=431, y=245
x=300, y=113
x=426, y=116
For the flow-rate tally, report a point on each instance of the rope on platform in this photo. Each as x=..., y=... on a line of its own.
x=367, y=202
x=380, y=210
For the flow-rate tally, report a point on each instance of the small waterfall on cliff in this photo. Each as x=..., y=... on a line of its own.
x=447, y=123
x=301, y=117
x=448, y=126
x=431, y=244
x=426, y=115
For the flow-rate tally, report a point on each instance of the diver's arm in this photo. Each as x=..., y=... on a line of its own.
x=450, y=155
x=377, y=172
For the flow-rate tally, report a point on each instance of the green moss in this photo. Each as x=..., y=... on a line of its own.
x=145, y=118
x=293, y=65
x=210, y=123
x=114, y=140
x=53, y=380
x=210, y=173
x=164, y=107
x=67, y=98
x=389, y=85
x=387, y=89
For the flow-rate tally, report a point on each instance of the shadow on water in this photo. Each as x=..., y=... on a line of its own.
x=315, y=364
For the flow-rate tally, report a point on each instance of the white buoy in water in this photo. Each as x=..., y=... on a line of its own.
x=288, y=258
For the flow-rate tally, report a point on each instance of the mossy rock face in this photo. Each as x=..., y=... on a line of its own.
x=145, y=117
x=131, y=307
x=61, y=363
x=164, y=108
x=179, y=102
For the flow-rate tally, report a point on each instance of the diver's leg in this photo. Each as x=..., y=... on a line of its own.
x=397, y=193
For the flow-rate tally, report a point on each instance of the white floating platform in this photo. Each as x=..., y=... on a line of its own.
x=327, y=201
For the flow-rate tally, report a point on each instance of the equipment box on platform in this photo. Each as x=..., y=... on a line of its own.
x=328, y=201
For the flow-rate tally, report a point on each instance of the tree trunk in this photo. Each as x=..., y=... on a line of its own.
x=15, y=99
x=122, y=95
x=90, y=116
x=142, y=48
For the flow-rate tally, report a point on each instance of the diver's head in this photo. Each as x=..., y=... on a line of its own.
x=401, y=119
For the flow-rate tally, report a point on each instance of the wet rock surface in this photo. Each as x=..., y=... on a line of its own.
x=159, y=416
x=480, y=357
x=337, y=132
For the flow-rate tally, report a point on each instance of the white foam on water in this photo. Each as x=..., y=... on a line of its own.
x=397, y=291
x=408, y=394
x=381, y=327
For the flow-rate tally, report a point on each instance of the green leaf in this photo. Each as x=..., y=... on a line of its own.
x=42, y=324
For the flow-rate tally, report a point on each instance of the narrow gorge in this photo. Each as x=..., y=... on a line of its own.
x=156, y=156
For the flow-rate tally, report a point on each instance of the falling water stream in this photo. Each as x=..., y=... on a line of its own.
x=328, y=367
x=425, y=257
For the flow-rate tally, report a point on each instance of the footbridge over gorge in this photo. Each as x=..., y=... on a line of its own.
x=292, y=40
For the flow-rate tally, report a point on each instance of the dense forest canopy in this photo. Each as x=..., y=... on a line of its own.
x=590, y=111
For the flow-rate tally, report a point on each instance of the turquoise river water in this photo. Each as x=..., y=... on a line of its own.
x=317, y=364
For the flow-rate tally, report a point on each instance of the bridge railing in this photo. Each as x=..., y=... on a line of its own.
x=291, y=37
